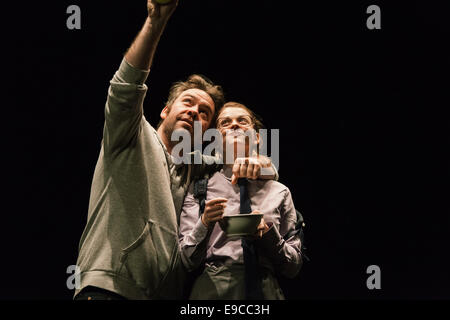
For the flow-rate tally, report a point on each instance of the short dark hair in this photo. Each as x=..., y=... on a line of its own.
x=197, y=81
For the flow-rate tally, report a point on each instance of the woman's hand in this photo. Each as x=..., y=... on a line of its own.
x=214, y=210
x=262, y=227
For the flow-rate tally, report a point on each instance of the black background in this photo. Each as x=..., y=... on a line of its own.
x=362, y=114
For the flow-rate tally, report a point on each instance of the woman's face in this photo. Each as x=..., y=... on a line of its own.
x=237, y=129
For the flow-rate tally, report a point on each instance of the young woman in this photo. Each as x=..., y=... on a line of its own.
x=229, y=268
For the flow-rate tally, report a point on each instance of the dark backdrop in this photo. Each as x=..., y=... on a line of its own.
x=362, y=114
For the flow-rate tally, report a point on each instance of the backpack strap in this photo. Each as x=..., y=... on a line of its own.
x=299, y=227
x=200, y=188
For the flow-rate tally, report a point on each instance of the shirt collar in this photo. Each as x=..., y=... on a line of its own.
x=227, y=172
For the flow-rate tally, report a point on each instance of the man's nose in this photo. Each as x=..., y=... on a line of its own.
x=193, y=113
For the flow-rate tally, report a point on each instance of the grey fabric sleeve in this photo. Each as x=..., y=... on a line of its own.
x=124, y=108
x=129, y=74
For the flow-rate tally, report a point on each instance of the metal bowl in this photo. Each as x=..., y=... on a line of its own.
x=241, y=224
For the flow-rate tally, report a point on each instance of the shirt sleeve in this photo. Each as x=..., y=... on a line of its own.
x=193, y=234
x=124, y=108
x=284, y=254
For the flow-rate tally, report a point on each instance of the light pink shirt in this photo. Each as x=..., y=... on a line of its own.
x=200, y=244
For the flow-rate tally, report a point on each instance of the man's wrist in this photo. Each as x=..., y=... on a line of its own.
x=154, y=27
x=156, y=23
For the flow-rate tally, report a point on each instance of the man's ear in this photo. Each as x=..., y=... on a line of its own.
x=164, y=112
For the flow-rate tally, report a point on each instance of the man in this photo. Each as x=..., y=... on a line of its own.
x=129, y=248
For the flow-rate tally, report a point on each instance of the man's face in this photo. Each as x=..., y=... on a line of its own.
x=191, y=105
x=232, y=123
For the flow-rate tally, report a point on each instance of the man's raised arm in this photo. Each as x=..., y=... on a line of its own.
x=140, y=54
x=124, y=106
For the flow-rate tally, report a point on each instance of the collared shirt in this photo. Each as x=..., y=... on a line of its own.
x=200, y=244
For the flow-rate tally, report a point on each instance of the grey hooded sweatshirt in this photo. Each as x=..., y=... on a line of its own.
x=130, y=243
